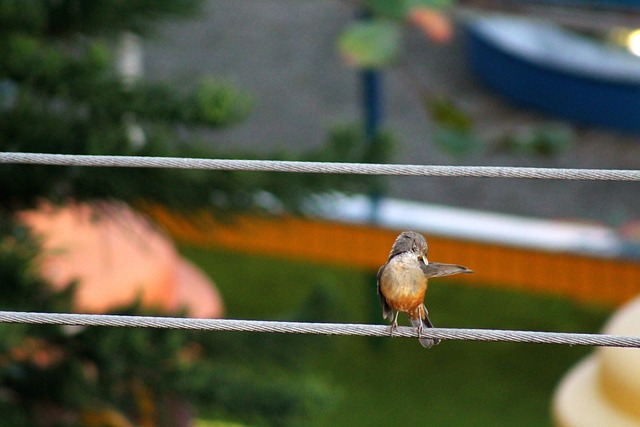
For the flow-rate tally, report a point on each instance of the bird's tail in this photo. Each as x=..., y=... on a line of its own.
x=422, y=322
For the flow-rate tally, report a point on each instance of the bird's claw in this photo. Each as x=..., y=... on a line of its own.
x=420, y=328
x=393, y=328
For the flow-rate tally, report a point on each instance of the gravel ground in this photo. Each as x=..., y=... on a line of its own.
x=283, y=53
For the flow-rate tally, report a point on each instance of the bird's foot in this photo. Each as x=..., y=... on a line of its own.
x=426, y=342
x=420, y=329
x=394, y=324
x=393, y=328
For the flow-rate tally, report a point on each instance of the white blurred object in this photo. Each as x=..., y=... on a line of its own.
x=129, y=59
x=130, y=65
x=604, y=389
x=474, y=225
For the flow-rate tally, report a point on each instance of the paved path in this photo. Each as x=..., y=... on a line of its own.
x=283, y=52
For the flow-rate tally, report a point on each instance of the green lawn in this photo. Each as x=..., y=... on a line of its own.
x=395, y=382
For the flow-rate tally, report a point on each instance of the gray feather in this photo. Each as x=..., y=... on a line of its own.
x=406, y=241
x=425, y=342
x=435, y=269
x=387, y=312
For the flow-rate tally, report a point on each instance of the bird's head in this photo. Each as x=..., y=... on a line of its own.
x=410, y=241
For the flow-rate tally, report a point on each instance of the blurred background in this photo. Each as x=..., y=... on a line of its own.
x=437, y=82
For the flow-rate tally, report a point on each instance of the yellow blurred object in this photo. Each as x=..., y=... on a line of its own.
x=633, y=42
x=104, y=418
x=210, y=423
x=604, y=389
x=146, y=407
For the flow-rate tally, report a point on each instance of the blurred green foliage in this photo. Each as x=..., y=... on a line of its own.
x=61, y=92
x=99, y=17
x=453, y=131
x=541, y=140
x=400, y=9
x=376, y=42
x=370, y=44
x=51, y=375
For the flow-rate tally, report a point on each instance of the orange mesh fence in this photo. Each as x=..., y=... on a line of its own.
x=580, y=277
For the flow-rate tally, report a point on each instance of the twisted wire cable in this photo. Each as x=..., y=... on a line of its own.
x=320, y=167
x=561, y=338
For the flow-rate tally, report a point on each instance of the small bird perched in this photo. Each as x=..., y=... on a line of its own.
x=402, y=282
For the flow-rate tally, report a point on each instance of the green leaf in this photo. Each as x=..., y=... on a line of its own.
x=432, y=4
x=541, y=140
x=370, y=44
x=454, y=127
x=391, y=9
x=456, y=142
x=217, y=103
x=399, y=9
x=447, y=114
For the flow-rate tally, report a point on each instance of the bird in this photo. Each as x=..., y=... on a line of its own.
x=402, y=282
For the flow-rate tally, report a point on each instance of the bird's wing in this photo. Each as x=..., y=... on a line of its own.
x=387, y=312
x=435, y=269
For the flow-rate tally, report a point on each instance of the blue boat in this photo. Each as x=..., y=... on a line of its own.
x=545, y=67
